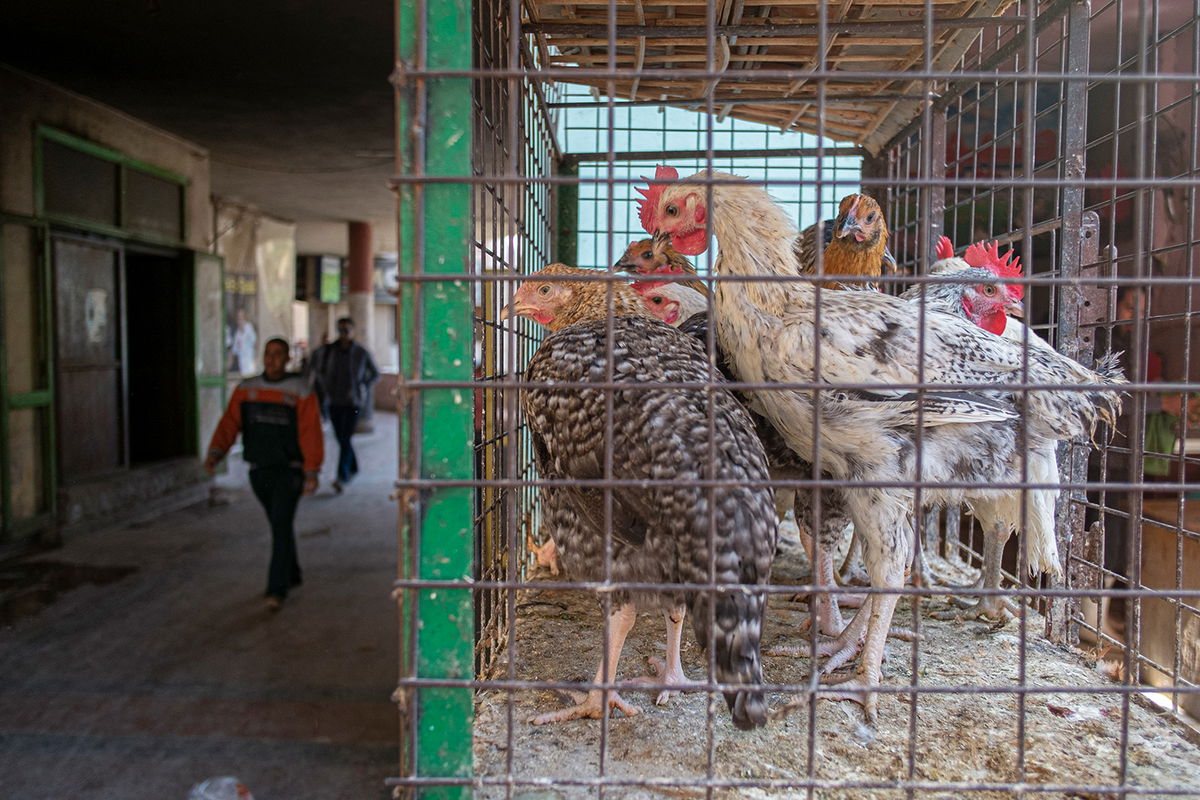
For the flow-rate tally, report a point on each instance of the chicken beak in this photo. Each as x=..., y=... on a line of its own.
x=514, y=309
x=1015, y=308
x=850, y=226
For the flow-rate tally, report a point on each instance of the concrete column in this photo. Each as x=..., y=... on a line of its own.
x=360, y=271
x=361, y=297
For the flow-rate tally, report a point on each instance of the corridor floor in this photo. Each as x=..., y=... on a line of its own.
x=172, y=670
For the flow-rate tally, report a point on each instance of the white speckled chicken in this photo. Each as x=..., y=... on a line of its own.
x=973, y=292
x=862, y=350
x=660, y=532
x=855, y=245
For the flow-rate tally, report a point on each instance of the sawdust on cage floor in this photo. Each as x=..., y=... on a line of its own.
x=968, y=738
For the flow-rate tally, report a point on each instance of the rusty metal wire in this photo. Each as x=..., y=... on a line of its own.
x=1064, y=130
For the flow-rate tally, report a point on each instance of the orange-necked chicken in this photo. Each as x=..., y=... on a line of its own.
x=666, y=528
x=867, y=352
x=852, y=244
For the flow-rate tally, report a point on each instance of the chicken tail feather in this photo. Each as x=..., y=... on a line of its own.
x=736, y=633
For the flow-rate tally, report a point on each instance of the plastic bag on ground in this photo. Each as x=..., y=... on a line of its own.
x=223, y=788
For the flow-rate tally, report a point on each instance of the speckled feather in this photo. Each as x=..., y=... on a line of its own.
x=660, y=533
x=784, y=462
x=1042, y=456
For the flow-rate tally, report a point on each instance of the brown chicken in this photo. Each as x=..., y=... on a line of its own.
x=655, y=256
x=855, y=243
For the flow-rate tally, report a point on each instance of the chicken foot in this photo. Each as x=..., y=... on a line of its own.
x=886, y=554
x=989, y=607
x=869, y=675
x=597, y=702
x=669, y=672
x=545, y=555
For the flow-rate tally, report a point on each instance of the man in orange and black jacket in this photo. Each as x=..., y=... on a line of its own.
x=278, y=417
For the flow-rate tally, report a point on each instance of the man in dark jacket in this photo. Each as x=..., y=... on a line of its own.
x=345, y=373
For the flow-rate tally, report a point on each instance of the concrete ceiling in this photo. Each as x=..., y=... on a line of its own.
x=290, y=97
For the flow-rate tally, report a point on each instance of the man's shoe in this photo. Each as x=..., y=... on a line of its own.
x=337, y=487
x=274, y=603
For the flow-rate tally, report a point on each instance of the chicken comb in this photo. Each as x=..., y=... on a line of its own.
x=662, y=176
x=1006, y=266
x=944, y=249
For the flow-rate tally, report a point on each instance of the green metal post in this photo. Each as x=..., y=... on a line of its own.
x=437, y=425
x=566, y=209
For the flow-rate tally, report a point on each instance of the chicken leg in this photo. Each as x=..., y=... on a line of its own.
x=597, y=702
x=851, y=572
x=886, y=554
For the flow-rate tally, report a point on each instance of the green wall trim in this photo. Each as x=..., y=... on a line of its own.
x=99, y=151
x=31, y=399
x=11, y=528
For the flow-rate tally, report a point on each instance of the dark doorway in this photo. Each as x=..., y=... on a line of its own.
x=159, y=353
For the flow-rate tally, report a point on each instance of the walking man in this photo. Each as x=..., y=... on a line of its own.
x=345, y=374
x=277, y=415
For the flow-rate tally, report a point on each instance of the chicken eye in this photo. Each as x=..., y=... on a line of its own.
x=990, y=291
x=545, y=289
x=673, y=210
x=656, y=300
x=647, y=255
x=870, y=217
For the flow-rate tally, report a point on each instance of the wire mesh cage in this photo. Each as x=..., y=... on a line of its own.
x=546, y=506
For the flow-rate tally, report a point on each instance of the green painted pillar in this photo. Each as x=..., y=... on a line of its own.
x=437, y=425
x=566, y=207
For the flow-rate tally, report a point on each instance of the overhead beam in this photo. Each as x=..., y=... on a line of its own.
x=765, y=28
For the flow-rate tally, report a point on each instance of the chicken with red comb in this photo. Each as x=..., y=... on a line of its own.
x=654, y=189
x=872, y=349
x=1008, y=266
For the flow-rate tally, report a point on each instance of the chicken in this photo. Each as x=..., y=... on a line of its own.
x=656, y=256
x=657, y=532
x=673, y=303
x=976, y=294
x=854, y=243
x=864, y=353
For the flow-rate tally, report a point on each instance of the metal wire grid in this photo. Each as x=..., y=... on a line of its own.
x=643, y=137
x=514, y=226
x=1149, y=243
x=982, y=131
x=1034, y=207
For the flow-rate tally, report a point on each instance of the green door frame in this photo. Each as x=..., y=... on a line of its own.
x=437, y=637
x=207, y=380
x=11, y=528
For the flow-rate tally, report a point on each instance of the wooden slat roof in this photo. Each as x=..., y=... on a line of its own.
x=879, y=36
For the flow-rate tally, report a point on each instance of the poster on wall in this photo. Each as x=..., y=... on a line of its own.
x=385, y=277
x=330, y=279
x=241, y=336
